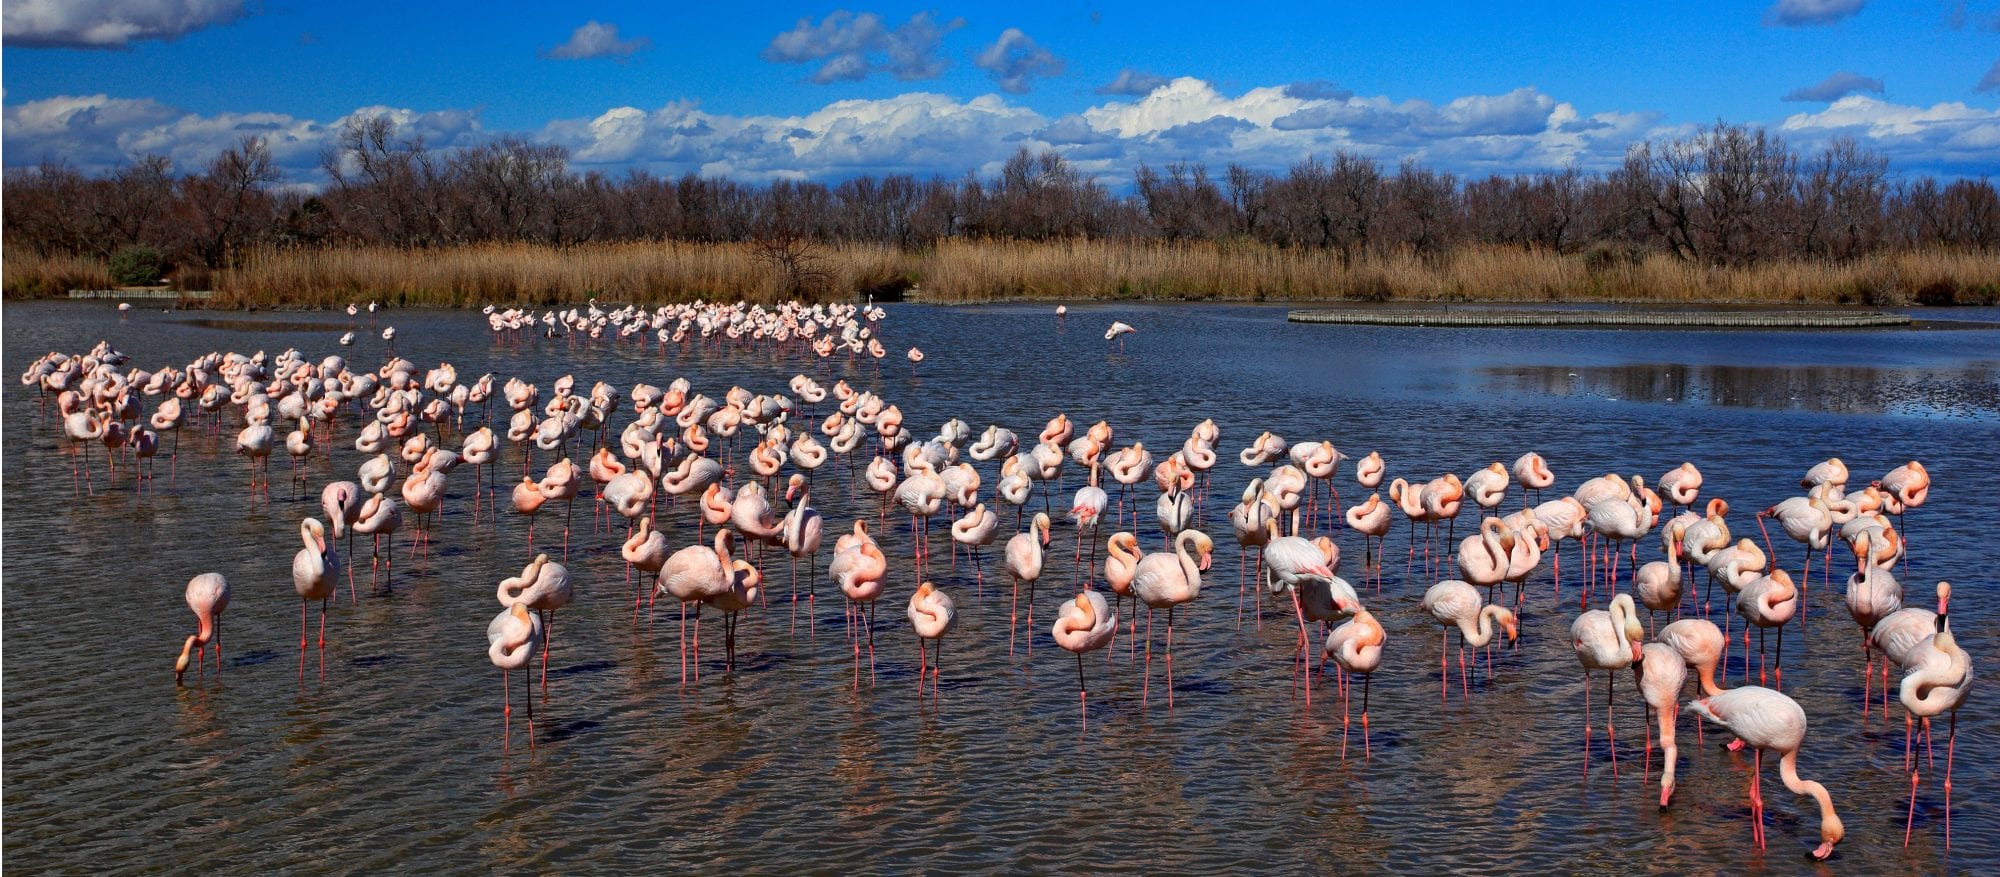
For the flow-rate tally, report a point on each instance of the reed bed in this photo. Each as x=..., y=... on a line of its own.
x=28, y=274
x=975, y=271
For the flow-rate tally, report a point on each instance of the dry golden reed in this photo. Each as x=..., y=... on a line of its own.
x=974, y=271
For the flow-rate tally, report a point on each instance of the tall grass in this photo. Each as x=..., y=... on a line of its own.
x=28, y=274
x=972, y=271
x=526, y=274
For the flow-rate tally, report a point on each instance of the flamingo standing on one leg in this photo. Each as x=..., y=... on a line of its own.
x=1767, y=720
x=1024, y=564
x=1082, y=625
x=859, y=567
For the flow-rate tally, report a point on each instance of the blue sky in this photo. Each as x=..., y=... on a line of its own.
x=821, y=91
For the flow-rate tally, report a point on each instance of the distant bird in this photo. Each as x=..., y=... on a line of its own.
x=124, y=306
x=1117, y=332
x=347, y=339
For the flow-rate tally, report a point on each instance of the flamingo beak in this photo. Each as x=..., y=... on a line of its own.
x=1206, y=559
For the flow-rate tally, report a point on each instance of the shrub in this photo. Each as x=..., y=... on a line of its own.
x=136, y=266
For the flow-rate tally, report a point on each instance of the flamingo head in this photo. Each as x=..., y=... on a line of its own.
x=1944, y=599
x=1830, y=833
x=181, y=663
x=794, y=486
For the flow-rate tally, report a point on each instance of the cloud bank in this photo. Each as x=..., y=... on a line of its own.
x=109, y=24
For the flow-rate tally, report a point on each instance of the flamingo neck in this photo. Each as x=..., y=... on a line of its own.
x=1830, y=829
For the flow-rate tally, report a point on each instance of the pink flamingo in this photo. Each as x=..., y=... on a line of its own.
x=512, y=639
x=1356, y=645
x=1165, y=581
x=695, y=574
x=1937, y=677
x=1024, y=564
x=859, y=567
x=312, y=578
x=1767, y=720
x=1457, y=604
x=543, y=586
x=207, y=595
x=1660, y=673
x=932, y=614
x=1084, y=624
x=1606, y=639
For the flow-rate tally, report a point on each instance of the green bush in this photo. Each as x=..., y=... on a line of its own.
x=137, y=266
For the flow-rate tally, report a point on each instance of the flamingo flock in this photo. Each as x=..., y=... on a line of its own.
x=717, y=462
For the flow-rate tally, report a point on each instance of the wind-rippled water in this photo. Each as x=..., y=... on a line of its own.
x=392, y=758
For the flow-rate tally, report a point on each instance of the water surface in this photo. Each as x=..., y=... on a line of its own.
x=392, y=758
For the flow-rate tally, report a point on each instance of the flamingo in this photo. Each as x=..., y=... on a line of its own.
x=1086, y=510
x=646, y=550
x=1768, y=721
x=1681, y=485
x=859, y=567
x=1119, y=329
x=1606, y=639
x=1483, y=556
x=543, y=586
x=528, y=501
x=1533, y=474
x=1658, y=583
x=1936, y=679
x=800, y=533
x=1368, y=472
x=1024, y=564
x=1370, y=518
x=1252, y=519
x=512, y=639
x=1899, y=633
x=1356, y=646
x=975, y=530
x=1768, y=601
x=208, y=596
x=1082, y=625
x=1294, y=564
x=694, y=574
x=1488, y=486
x=1164, y=581
x=379, y=516
x=1699, y=643
x=341, y=501
x=932, y=614
x=745, y=586
x=1455, y=603
x=312, y=578
x=1660, y=673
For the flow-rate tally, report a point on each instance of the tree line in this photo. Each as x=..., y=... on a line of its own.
x=1727, y=195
